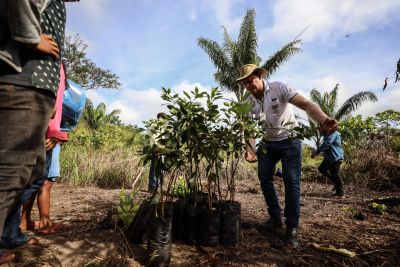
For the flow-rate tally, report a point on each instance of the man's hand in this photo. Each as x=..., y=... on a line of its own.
x=250, y=157
x=47, y=46
x=329, y=125
x=50, y=143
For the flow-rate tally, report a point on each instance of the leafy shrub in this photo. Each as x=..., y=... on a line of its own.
x=378, y=208
x=107, y=137
x=127, y=208
x=179, y=188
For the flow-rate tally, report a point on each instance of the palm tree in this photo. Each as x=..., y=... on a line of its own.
x=328, y=103
x=231, y=55
x=97, y=117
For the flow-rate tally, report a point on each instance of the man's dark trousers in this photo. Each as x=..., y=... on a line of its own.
x=332, y=171
x=290, y=154
x=24, y=115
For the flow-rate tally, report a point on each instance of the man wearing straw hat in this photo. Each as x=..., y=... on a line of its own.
x=272, y=104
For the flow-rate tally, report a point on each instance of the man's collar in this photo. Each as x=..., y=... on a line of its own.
x=266, y=86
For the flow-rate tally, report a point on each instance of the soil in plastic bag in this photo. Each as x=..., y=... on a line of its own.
x=137, y=230
x=209, y=224
x=159, y=236
x=191, y=223
x=230, y=223
x=179, y=220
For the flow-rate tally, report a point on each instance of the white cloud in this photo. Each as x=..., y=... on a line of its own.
x=222, y=10
x=329, y=20
x=138, y=105
x=95, y=97
x=187, y=86
x=94, y=10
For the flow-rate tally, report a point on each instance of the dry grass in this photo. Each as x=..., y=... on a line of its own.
x=369, y=164
x=103, y=168
x=372, y=164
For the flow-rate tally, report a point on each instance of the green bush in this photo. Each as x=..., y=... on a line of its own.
x=179, y=188
x=378, y=208
x=108, y=137
x=396, y=144
x=127, y=208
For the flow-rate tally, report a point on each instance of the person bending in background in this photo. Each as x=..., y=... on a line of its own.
x=332, y=149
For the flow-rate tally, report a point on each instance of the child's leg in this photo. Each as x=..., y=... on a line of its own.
x=43, y=200
x=44, y=192
x=26, y=222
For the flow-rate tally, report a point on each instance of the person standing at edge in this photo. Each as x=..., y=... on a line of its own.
x=272, y=105
x=333, y=157
x=31, y=38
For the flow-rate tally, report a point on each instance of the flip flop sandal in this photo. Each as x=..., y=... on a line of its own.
x=6, y=257
x=50, y=230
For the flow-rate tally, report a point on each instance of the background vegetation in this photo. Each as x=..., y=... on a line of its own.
x=104, y=152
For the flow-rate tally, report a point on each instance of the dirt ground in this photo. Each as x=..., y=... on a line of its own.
x=343, y=223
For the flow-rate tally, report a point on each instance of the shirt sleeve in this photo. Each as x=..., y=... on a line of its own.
x=326, y=144
x=24, y=18
x=286, y=92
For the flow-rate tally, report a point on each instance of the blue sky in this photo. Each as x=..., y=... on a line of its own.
x=152, y=44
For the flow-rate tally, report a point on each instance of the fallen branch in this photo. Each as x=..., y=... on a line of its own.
x=126, y=241
x=137, y=178
x=92, y=261
x=341, y=251
x=378, y=250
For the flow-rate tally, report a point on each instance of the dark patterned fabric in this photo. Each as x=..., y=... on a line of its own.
x=47, y=73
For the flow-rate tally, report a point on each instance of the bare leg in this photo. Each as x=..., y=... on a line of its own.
x=43, y=200
x=26, y=222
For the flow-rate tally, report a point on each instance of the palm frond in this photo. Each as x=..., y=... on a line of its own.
x=101, y=108
x=353, y=103
x=332, y=103
x=232, y=52
x=247, y=41
x=273, y=63
x=227, y=83
x=215, y=52
x=315, y=96
x=229, y=44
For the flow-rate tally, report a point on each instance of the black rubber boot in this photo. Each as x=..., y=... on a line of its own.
x=291, y=237
x=272, y=223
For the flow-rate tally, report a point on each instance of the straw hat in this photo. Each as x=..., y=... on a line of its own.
x=247, y=70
